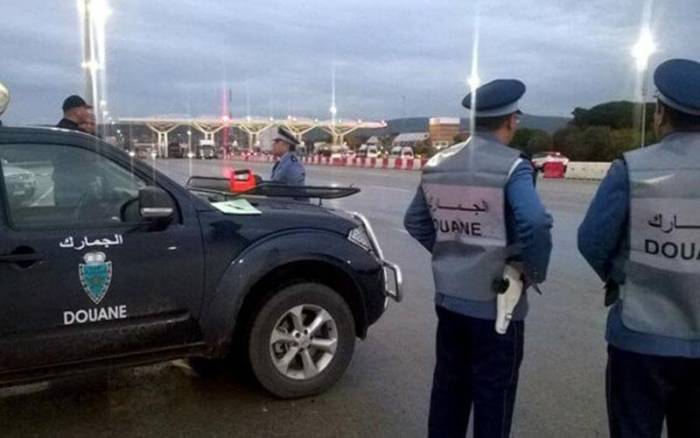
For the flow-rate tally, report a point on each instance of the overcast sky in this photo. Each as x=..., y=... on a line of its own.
x=174, y=56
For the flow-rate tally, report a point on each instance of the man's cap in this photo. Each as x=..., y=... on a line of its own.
x=496, y=98
x=678, y=82
x=74, y=101
x=286, y=136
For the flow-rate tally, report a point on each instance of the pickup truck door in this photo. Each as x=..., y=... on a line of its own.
x=78, y=282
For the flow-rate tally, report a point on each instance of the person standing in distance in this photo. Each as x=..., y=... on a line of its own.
x=641, y=235
x=288, y=169
x=478, y=213
x=75, y=112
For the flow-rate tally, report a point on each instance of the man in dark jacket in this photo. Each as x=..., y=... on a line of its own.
x=75, y=112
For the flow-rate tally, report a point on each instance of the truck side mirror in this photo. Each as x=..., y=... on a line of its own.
x=155, y=205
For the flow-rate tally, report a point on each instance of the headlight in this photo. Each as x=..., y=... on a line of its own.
x=364, y=236
x=132, y=153
x=359, y=237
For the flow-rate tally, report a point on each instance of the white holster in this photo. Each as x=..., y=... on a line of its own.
x=506, y=301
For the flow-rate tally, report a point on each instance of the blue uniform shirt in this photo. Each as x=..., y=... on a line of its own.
x=289, y=170
x=527, y=223
x=600, y=238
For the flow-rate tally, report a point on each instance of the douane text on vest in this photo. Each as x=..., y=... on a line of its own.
x=673, y=250
x=456, y=226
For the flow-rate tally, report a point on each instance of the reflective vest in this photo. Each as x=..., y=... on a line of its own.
x=661, y=291
x=464, y=188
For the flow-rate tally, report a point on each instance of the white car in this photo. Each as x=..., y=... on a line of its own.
x=540, y=158
x=19, y=183
x=372, y=152
x=405, y=153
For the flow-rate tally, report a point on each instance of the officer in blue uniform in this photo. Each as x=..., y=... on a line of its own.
x=641, y=235
x=288, y=169
x=478, y=213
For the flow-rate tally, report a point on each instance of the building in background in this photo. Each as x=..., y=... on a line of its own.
x=373, y=141
x=411, y=139
x=443, y=131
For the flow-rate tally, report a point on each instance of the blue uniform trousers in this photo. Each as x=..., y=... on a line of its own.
x=475, y=367
x=643, y=389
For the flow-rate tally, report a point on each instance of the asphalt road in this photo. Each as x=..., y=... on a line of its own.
x=385, y=391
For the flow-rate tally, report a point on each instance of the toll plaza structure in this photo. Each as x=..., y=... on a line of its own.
x=254, y=127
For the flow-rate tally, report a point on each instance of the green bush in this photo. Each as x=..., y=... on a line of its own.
x=604, y=132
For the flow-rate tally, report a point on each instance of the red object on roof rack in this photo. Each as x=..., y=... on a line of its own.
x=242, y=181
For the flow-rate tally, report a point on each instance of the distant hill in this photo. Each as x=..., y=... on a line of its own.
x=420, y=124
x=545, y=123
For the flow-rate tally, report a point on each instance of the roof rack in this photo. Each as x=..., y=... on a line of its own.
x=221, y=186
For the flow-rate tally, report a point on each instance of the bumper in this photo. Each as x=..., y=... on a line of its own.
x=393, y=278
x=393, y=281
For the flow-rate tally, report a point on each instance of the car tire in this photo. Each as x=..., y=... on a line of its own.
x=320, y=356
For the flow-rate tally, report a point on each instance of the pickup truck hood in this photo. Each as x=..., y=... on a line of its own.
x=281, y=214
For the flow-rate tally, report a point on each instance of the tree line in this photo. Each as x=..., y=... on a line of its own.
x=601, y=133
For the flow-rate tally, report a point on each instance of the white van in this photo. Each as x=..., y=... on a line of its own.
x=372, y=151
x=405, y=152
x=338, y=152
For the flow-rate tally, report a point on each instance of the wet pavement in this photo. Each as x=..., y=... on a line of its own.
x=385, y=391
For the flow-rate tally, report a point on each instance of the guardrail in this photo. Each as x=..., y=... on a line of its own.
x=586, y=170
x=575, y=169
x=369, y=163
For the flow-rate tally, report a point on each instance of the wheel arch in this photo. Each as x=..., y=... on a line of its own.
x=264, y=267
x=302, y=271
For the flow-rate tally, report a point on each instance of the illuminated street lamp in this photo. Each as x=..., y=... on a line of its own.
x=474, y=81
x=641, y=52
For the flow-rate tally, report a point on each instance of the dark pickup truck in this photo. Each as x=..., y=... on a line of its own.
x=110, y=263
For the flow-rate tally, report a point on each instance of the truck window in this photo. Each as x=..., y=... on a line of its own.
x=52, y=186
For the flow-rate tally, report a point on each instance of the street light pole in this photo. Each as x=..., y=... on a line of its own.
x=189, y=142
x=641, y=52
x=644, y=107
x=88, y=61
x=93, y=14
